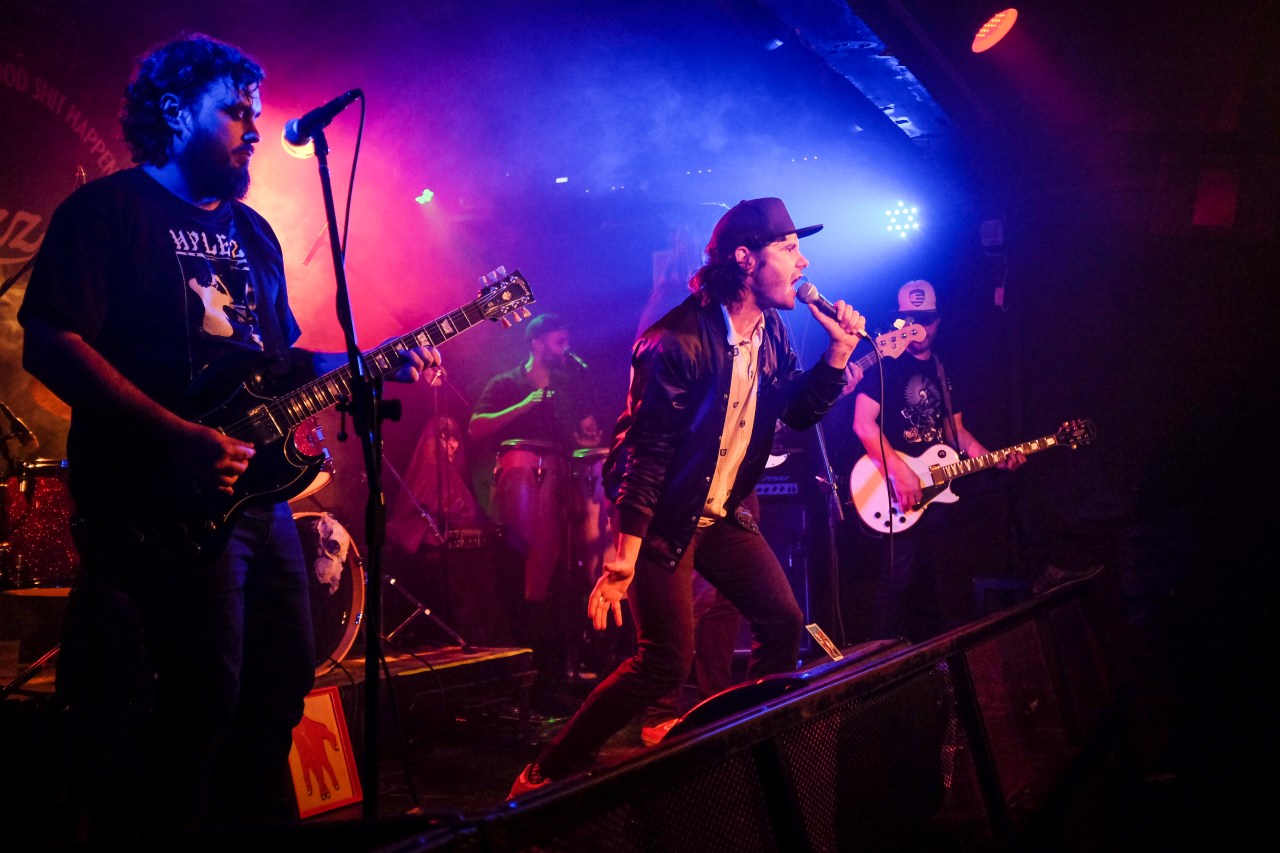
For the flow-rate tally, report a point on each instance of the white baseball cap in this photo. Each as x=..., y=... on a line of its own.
x=917, y=297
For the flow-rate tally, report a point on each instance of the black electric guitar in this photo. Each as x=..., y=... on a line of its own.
x=936, y=468
x=237, y=397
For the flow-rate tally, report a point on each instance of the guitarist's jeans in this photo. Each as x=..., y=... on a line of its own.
x=185, y=680
x=743, y=567
x=906, y=595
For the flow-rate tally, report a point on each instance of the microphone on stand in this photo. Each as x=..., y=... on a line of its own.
x=19, y=430
x=809, y=295
x=297, y=132
x=573, y=356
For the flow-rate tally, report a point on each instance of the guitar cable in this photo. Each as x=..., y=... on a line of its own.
x=884, y=466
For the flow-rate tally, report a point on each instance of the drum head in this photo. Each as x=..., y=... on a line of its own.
x=337, y=586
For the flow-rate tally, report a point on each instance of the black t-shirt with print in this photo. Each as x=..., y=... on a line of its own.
x=913, y=411
x=160, y=288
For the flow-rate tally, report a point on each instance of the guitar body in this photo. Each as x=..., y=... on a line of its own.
x=235, y=396
x=936, y=468
x=247, y=397
x=871, y=499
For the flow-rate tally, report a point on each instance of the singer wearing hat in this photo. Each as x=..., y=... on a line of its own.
x=709, y=382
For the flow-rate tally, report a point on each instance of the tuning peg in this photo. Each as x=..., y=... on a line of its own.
x=517, y=316
x=501, y=271
x=899, y=323
x=525, y=312
x=506, y=322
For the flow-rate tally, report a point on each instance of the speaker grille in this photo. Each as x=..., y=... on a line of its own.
x=1021, y=713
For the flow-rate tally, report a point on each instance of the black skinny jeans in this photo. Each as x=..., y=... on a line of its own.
x=743, y=567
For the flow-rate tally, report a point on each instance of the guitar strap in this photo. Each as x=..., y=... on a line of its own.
x=949, y=424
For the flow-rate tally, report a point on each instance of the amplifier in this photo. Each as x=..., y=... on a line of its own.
x=776, y=486
x=473, y=537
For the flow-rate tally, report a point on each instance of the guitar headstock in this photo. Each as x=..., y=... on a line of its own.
x=503, y=296
x=893, y=344
x=1076, y=433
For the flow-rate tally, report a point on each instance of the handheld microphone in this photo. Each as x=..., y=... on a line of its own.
x=809, y=295
x=298, y=131
x=573, y=356
x=18, y=429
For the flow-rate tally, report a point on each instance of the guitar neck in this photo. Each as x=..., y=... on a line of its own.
x=335, y=387
x=946, y=473
x=865, y=362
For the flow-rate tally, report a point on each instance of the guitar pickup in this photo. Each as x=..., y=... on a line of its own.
x=263, y=426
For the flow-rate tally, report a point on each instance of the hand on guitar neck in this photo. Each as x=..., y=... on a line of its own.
x=889, y=345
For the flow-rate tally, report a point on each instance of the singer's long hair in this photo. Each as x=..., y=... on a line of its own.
x=722, y=280
x=185, y=67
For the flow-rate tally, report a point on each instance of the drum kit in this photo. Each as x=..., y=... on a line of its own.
x=37, y=555
x=552, y=505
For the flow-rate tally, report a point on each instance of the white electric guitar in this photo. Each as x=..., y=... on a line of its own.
x=936, y=468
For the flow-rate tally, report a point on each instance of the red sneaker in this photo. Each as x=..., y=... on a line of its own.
x=530, y=779
x=653, y=735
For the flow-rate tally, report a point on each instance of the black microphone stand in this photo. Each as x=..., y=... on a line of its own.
x=365, y=407
x=834, y=514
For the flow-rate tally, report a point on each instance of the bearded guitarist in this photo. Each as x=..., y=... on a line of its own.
x=919, y=412
x=185, y=674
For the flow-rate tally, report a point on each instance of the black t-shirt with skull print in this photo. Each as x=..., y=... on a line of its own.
x=914, y=410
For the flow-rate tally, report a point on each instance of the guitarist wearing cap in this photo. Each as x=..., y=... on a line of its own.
x=919, y=413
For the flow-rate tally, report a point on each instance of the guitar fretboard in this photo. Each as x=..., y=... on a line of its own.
x=334, y=387
x=945, y=473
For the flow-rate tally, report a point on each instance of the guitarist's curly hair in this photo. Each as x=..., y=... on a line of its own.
x=185, y=67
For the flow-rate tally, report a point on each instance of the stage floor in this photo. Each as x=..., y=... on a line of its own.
x=464, y=724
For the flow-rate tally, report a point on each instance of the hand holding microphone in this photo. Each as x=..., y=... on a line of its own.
x=809, y=295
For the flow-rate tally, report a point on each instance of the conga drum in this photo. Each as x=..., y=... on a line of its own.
x=530, y=488
x=37, y=551
x=594, y=521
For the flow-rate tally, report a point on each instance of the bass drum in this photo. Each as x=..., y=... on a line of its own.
x=337, y=586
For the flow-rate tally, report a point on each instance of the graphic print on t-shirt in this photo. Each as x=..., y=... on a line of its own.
x=922, y=411
x=221, y=302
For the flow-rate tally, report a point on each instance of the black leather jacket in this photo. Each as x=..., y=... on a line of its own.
x=667, y=441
